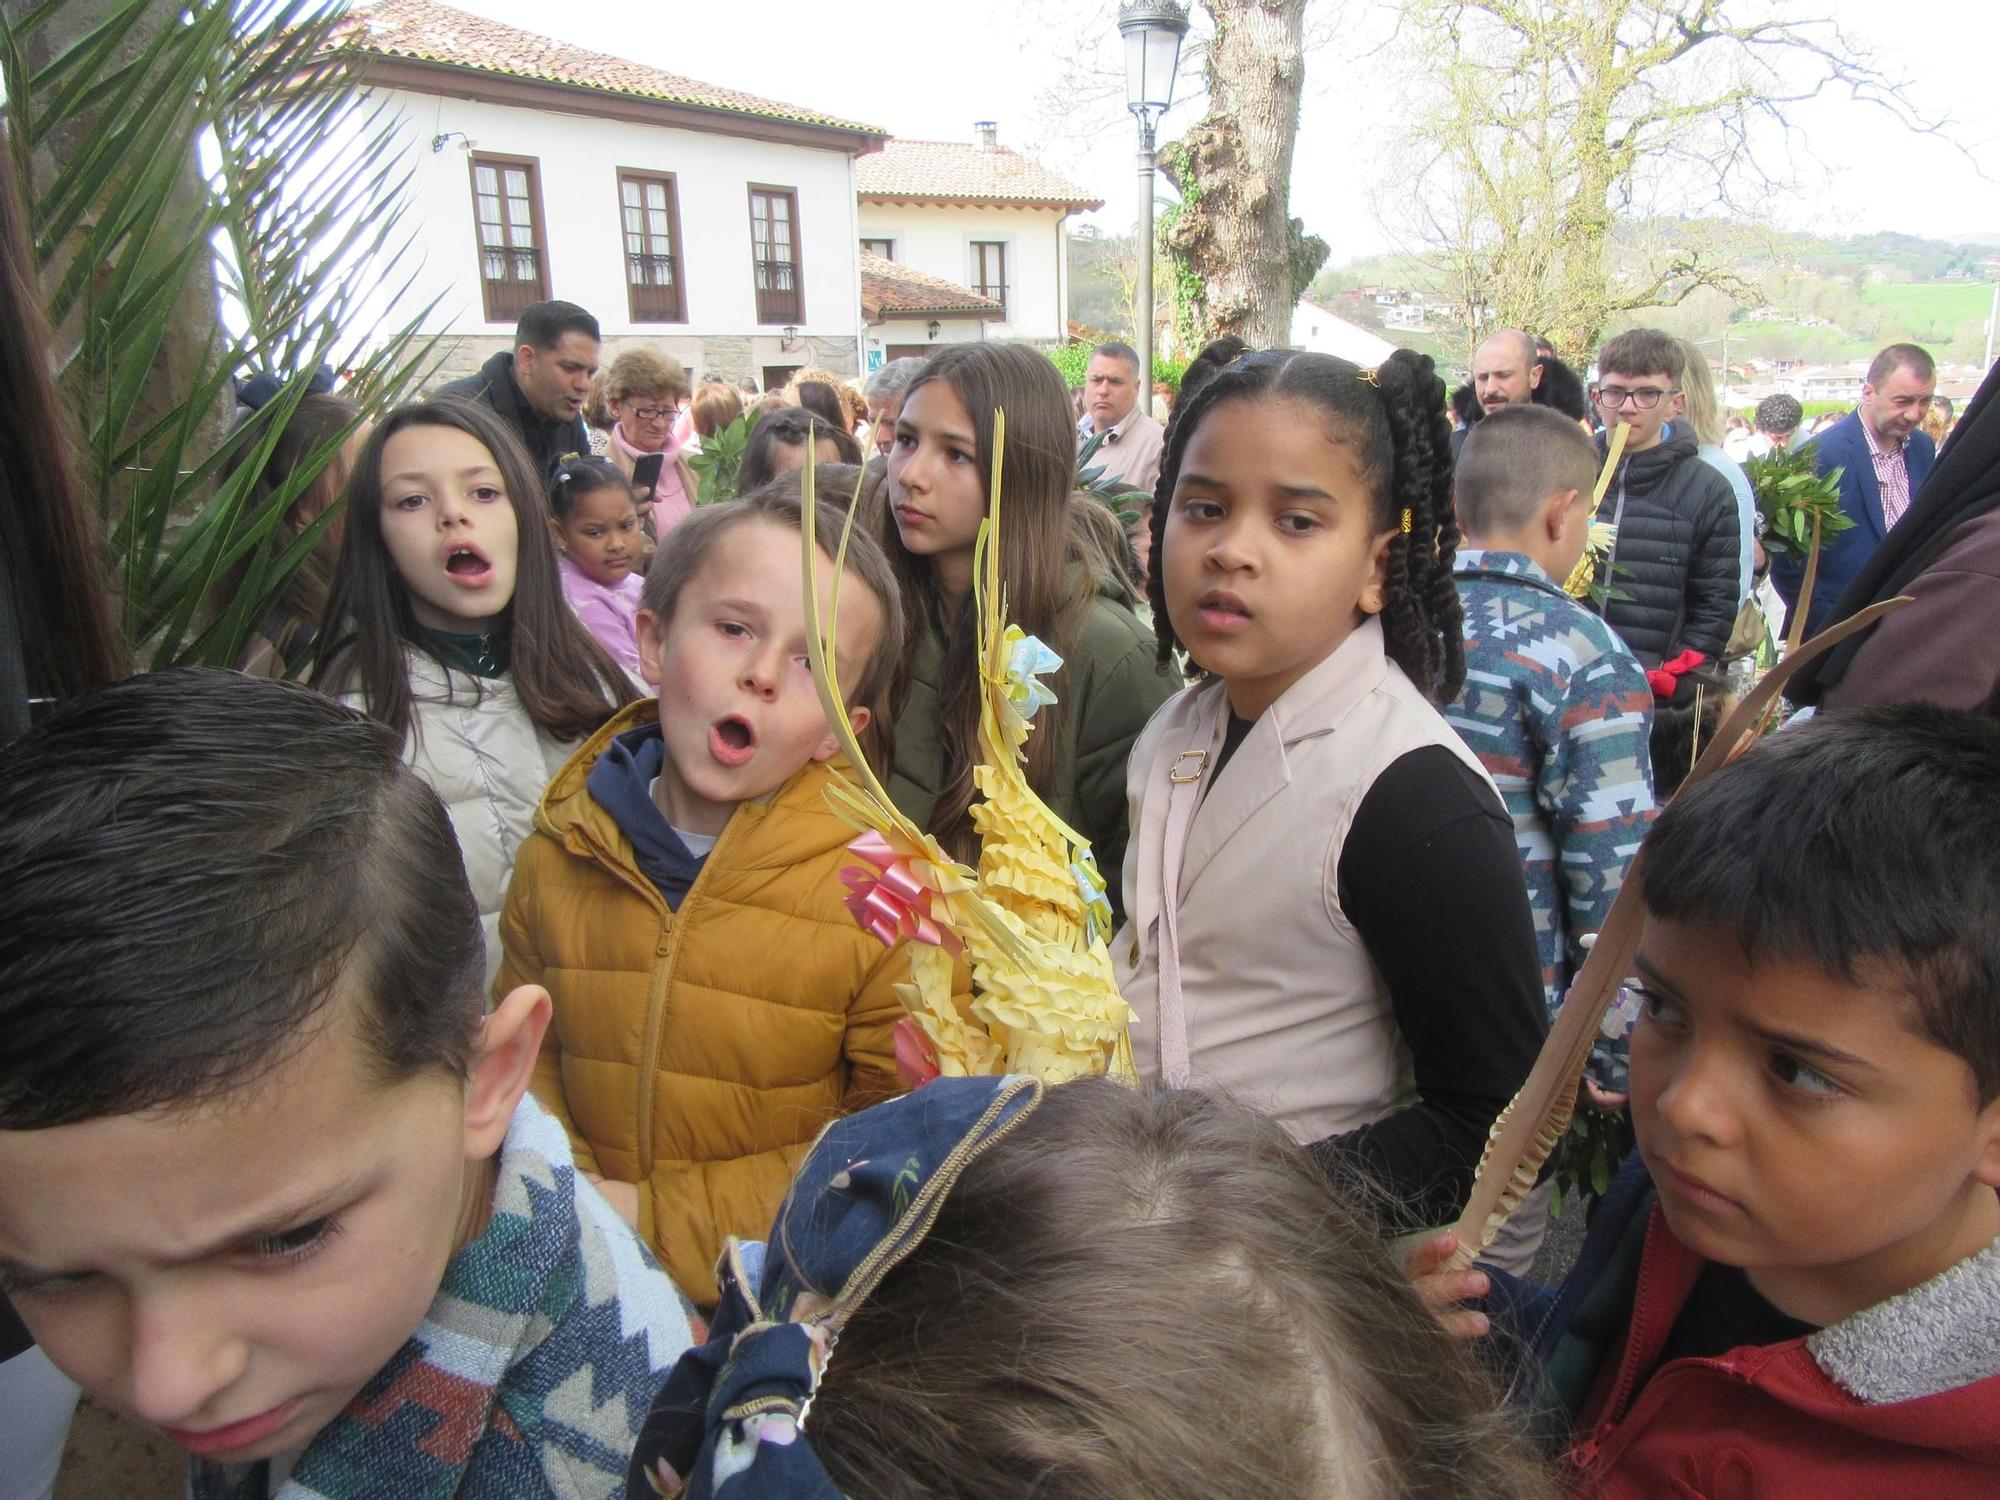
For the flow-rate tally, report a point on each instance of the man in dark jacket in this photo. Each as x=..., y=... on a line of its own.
x=1883, y=457
x=541, y=386
x=1674, y=568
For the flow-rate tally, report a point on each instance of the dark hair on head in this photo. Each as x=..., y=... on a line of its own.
x=543, y=324
x=1116, y=350
x=1860, y=841
x=1214, y=357
x=50, y=544
x=1513, y=462
x=1465, y=405
x=1121, y=1278
x=576, y=477
x=823, y=401
x=1561, y=389
x=1643, y=351
x=1048, y=564
x=1395, y=427
x=1683, y=724
x=1779, y=416
x=686, y=550
x=566, y=682
x=318, y=424
x=1912, y=357
x=790, y=427
x=176, y=920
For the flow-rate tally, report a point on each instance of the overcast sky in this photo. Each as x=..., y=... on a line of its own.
x=927, y=69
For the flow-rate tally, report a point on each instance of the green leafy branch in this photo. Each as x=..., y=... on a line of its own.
x=720, y=460
x=1791, y=493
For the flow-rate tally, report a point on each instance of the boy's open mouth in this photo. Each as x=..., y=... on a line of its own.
x=732, y=741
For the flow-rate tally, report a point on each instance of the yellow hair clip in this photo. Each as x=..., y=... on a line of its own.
x=1367, y=373
x=1406, y=520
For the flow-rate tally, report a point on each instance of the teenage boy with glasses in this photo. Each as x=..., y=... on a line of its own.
x=1673, y=574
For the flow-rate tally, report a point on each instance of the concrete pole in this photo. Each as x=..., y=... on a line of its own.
x=1992, y=320
x=1144, y=317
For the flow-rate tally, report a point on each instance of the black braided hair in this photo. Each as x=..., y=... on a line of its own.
x=1401, y=440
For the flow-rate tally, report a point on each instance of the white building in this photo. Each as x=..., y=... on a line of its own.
x=719, y=227
x=1318, y=331
x=977, y=217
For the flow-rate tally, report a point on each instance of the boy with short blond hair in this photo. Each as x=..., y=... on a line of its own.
x=271, y=1183
x=715, y=1004
x=1794, y=1286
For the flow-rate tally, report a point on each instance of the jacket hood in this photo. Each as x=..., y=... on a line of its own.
x=1940, y=1336
x=574, y=818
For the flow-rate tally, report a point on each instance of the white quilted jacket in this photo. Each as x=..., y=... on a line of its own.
x=471, y=739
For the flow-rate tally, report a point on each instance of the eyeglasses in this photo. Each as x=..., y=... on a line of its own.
x=652, y=413
x=1645, y=398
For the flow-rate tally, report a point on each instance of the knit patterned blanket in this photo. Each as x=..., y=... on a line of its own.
x=530, y=1375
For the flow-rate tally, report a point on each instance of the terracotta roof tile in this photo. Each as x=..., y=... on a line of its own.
x=956, y=171
x=426, y=31
x=887, y=288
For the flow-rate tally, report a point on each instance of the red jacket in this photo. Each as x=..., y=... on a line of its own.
x=1771, y=1421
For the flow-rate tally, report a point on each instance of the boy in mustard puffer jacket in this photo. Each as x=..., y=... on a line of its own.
x=680, y=898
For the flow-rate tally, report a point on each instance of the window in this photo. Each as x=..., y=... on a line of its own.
x=989, y=271
x=774, y=252
x=507, y=207
x=652, y=219
x=884, y=248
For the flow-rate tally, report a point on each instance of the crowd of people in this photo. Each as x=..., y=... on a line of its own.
x=480, y=1084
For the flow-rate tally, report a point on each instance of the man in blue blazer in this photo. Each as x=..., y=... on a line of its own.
x=1883, y=459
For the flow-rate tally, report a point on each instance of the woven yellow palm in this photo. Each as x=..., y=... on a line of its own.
x=1031, y=919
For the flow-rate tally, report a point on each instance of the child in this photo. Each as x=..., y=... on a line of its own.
x=715, y=1003
x=1057, y=589
x=1794, y=1287
x=447, y=567
x=273, y=1186
x=1553, y=704
x=597, y=534
x=285, y=636
x=777, y=445
x=1355, y=952
x=1083, y=1290
x=1675, y=570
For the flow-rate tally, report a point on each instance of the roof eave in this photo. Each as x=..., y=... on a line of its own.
x=959, y=200
x=482, y=86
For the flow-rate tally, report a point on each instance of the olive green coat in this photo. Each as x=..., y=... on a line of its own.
x=1113, y=686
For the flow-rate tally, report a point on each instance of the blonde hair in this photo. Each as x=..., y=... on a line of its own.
x=715, y=406
x=1704, y=411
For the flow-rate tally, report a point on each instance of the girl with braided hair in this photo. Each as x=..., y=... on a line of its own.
x=1328, y=914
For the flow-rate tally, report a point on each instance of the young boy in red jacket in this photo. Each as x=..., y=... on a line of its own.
x=1793, y=1288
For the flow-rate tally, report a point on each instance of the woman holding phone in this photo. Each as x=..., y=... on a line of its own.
x=642, y=391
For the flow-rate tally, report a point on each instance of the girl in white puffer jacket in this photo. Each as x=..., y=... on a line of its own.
x=447, y=623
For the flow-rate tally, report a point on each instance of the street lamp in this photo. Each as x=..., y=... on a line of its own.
x=1152, y=30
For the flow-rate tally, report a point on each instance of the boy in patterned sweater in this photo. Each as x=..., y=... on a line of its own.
x=1554, y=704
x=272, y=1183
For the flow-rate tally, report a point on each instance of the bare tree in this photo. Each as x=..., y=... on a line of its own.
x=1554, y=122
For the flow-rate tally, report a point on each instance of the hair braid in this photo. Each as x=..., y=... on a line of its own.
x=1423, y=623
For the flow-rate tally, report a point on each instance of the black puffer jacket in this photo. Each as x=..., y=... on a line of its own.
x=1674, y=575
x=548, y=440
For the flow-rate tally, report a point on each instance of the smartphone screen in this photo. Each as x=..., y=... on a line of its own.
x=646, y=474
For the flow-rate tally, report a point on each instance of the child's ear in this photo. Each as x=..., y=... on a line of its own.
x=652, y=642
x=1555, y=515
x=858, y=719
x=556, y=531
x=510, y=1039
x=1375, y=592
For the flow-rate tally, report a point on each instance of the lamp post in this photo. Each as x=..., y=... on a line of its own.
x=1152, y=30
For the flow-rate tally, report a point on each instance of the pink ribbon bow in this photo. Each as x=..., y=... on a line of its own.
x=889, y=901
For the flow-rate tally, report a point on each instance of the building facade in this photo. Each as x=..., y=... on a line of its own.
x=718, y=227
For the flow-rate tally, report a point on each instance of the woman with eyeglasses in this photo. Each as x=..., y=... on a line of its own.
x=642, y=395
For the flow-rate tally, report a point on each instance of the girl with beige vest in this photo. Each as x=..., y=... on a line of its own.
x=1328, y=917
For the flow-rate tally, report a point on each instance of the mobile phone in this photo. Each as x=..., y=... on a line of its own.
x=646, y=474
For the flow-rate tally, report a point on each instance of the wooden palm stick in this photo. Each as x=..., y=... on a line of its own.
x=1528, y=1128
x=1796, y=626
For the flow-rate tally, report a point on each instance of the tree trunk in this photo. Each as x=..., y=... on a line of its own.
x=184, y=357
x=1234, y=233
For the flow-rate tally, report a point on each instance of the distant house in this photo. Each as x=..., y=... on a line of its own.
x=712, y=224
x=974, y=217
x=1826, y=382
x=1318, y=331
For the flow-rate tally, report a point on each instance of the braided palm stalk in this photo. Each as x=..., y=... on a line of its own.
x=1528, y=1129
